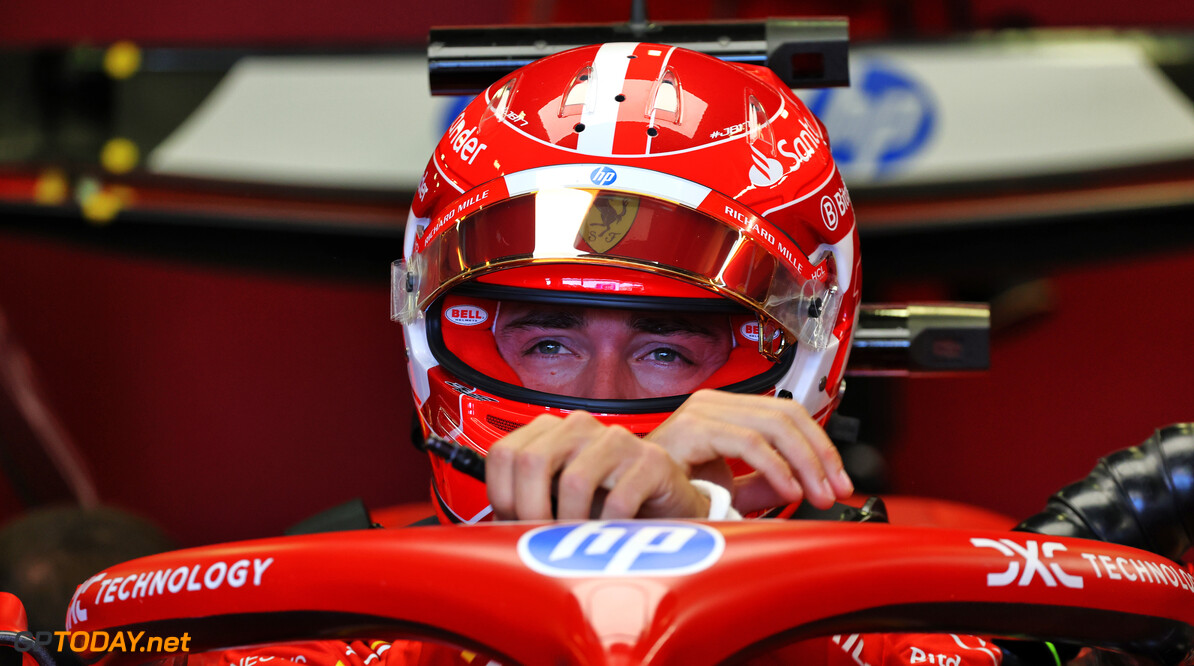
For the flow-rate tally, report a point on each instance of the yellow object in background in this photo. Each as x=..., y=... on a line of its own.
x=51, y=188
x=122, y=60
x=119, y=155
x=100, y=204
x=101, y=207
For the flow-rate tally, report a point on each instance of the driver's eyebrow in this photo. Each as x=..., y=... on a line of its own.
x=547, y=319
x=670, y=326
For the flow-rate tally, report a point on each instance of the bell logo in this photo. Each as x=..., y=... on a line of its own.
x=750, y=331
x=466, y=315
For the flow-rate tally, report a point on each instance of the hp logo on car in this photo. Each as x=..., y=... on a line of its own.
x=881, y=123
x=624, y=548
x=603, y=176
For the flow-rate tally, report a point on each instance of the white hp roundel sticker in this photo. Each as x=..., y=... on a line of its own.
x=829, y=212
x=466, y=315
x=621, y=548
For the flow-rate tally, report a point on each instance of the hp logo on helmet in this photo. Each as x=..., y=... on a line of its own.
x=603, y=176
x=630, y=548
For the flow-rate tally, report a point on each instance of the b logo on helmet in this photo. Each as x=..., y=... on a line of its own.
x=828, y=213
x=466, y=315
x=607, y=221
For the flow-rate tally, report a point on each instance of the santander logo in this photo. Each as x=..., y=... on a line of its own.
x=766, y=171
x=466, y=315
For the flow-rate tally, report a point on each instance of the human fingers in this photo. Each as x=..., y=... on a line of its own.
x=714, y=471
x=501, y=477
x=712, y=438
x=826, y=450
x=537, y=463
x=786, y=425
x=594, y=466
x=753, y=492
x=653, y=485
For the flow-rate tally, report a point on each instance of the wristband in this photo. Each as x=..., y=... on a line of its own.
x=720, y=507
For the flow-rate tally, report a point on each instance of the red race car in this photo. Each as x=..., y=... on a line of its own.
x=646, y=592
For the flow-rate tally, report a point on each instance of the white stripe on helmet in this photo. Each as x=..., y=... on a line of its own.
x=600, y=113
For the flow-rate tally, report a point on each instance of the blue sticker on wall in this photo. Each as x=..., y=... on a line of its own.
x=621, y=548
x=455, y=106
x=880, y=123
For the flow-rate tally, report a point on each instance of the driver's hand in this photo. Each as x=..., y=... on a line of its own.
x=793, y=457
x=594, y=470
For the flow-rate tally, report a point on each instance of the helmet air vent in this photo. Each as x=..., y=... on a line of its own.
x=758, y=126
x=578, y=92
x=766, y=170
x=665, y=99
x=499, y=104
x=505, y=425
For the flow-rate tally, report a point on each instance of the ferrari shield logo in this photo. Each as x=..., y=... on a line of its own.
x=608, y=220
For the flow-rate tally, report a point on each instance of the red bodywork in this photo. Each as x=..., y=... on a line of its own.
x=774, y=582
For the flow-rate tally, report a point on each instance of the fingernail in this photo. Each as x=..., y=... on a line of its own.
x=827, y=489
x=845, y=481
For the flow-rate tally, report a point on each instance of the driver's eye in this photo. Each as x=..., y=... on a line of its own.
x=664, y=355
x=547, y=347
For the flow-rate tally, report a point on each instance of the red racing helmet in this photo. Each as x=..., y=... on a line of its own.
x=625, y=175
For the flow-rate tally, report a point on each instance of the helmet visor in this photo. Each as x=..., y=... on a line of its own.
x=793, y=299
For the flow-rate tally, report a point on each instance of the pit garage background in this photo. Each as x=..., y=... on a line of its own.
x=199, y=203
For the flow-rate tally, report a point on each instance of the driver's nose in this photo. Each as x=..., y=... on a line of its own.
x=609, y=376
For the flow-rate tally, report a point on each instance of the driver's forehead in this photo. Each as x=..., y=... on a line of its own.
x=518, y=314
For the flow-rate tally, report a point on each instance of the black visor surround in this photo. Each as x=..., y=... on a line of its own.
x=469, y=375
